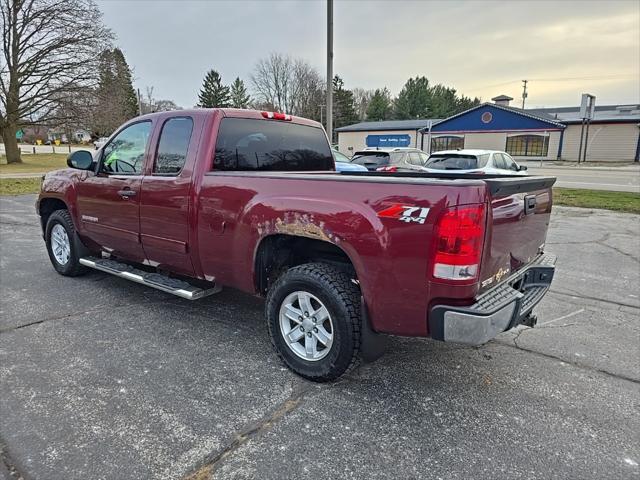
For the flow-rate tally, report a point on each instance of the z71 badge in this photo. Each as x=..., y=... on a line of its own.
x=405, y=213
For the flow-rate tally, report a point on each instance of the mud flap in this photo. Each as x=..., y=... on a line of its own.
x=374, y=345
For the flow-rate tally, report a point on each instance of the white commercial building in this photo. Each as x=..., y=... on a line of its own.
x=531, y=134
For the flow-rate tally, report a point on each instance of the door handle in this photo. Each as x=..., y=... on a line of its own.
x=126, y=193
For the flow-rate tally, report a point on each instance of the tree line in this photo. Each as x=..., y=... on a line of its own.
x=74, y=78
x=285, y=84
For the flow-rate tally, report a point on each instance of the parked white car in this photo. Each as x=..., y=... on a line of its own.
x=488, y=162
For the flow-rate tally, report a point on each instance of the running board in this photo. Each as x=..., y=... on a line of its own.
x=155, y=280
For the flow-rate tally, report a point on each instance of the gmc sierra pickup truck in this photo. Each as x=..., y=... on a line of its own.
x=190, y=201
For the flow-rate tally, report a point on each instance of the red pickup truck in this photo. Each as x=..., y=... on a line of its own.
x=189, y=201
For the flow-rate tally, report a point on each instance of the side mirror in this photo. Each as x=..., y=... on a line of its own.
x=522, y=167
x=81, y=159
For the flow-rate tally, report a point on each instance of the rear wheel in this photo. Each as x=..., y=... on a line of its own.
x=313, y=315
x=63, y=245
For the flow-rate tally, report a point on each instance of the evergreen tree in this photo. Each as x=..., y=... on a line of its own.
x=414, y=99
x=239, y=95
x=344, y=112
x=116, y=98
x=418, y=99
x=380, y=106
x=465, y=103
x=127, y=94
x=213, y=93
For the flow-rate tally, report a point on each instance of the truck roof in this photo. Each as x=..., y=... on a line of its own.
x=232, y=113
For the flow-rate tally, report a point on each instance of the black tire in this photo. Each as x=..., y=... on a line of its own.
x=341, y=296
x=72, y=267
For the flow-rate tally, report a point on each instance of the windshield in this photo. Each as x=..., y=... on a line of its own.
x=456, y=162
x=371, y=160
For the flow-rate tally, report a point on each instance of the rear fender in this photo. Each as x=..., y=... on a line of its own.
x=344, y=225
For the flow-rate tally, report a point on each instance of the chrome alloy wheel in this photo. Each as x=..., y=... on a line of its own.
x=306, y=326
x=60, y=245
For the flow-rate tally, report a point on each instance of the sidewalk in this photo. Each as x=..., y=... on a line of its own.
x=626, y=167
x=22, y=175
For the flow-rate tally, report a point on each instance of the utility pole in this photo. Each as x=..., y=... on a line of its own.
x=330, y=70
x=524, y=91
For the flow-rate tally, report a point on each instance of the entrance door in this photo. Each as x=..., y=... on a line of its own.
x=108, y=202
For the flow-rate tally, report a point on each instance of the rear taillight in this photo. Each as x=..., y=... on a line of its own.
x=276, y=116
x=459, y=237
x=388, y=168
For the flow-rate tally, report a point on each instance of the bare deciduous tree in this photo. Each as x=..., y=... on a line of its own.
x=50, y=50
x=361, y=99
x=288, y=85
x=151, y=104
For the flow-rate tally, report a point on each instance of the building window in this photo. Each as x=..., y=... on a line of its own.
x=439, y=144
x=528, y=145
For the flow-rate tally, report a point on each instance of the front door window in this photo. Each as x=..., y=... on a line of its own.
x=124, y=154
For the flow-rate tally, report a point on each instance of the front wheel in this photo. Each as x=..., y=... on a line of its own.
x=63, y=245
x=313, y=315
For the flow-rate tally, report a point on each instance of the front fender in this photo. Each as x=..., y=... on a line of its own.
x=61, y=185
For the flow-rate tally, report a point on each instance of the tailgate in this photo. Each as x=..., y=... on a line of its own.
x=517, y=225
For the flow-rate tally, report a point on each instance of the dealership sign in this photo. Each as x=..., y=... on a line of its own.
x=388, y=140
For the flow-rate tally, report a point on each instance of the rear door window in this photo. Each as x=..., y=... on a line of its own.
x=269, y=145
x=509, y=163
x=414, y=159
x=483, y=160
x=173, y=146
x=499, y=162
x=398, y=158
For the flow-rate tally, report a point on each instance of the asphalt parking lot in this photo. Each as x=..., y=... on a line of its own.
x=105, y=379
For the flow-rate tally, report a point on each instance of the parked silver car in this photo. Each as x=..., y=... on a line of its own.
x=390, y=159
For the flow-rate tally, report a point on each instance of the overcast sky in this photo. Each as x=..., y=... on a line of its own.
x=481, y=48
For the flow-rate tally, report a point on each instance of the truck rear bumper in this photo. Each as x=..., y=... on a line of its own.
x=503, y=307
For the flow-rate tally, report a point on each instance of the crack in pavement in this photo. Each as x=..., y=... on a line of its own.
x=616, y=249
x=96, y=309
x=515, y=345
x=584, y=297
x=8, y=464
x=208, y=469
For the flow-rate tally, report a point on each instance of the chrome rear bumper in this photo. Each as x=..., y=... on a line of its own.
x=503, y=307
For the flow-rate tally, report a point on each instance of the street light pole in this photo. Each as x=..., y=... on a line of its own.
x=330, y=70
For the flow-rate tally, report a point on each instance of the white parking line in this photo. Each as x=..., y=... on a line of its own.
x=562, y=317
